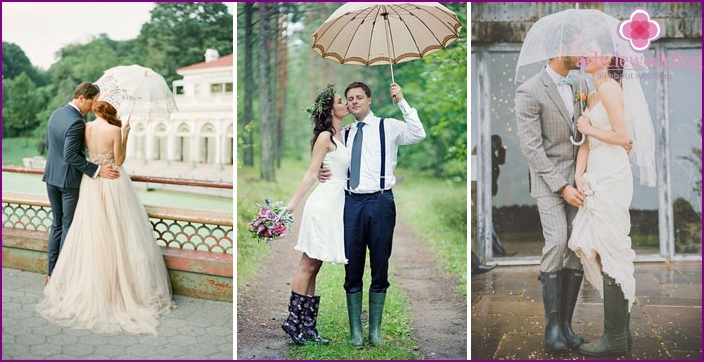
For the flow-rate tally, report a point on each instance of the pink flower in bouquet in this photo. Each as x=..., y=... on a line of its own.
x=272, y=221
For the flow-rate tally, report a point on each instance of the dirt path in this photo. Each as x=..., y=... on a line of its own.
x=439, y=314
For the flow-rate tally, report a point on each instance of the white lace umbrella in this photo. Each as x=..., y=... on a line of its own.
x=137, y=91
x=385, y=33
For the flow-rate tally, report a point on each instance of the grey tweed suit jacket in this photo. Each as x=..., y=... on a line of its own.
x=544, y=129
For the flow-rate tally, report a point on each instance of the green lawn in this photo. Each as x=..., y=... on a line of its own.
x=437, y=212
x=15, y=149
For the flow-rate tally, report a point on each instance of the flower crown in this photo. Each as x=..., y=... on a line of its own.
x=323, y=104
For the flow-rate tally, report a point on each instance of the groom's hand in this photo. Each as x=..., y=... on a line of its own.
x=396, y=92
x=573, y=196
x=108, y=172
x=324, y=174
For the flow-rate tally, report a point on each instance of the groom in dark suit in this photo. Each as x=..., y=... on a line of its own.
x=65, y=163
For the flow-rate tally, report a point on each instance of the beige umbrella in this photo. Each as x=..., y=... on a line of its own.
x=385, y=33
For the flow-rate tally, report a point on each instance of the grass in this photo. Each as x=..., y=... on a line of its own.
x=333, y=324
x=14, y=150
x=251, y=190
x=436, y=210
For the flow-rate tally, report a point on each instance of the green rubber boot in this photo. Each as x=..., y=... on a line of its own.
x=376, y=310
x=616, y=318
x=354, y=312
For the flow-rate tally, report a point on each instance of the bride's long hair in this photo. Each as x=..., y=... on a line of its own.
x=107, y=112
x=321, y=114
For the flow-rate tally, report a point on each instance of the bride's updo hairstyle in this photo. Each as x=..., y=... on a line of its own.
x=107, y=112
x=321, y=113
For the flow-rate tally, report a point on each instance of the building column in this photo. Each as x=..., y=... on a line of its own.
x=195, y=149
x=149, y=149
x=219, y=150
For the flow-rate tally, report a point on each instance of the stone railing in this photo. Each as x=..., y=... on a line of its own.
x=197, y=245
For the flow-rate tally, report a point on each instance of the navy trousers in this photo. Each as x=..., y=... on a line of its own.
x=369, y=224
x=63, y=205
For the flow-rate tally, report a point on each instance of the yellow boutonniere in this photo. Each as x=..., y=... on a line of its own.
x=580, y=97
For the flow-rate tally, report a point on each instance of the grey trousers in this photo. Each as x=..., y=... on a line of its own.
x=556, y=217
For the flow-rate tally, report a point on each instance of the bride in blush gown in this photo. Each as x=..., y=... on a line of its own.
x=617, y=113
x=110, y=276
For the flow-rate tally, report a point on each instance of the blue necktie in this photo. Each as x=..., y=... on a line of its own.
x=356, y=156
x=565, y=80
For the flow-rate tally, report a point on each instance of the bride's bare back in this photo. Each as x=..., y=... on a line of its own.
x=101, y=136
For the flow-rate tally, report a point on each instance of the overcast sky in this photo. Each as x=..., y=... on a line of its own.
x=41, y=29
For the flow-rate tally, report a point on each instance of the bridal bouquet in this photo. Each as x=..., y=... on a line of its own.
x=271, y=222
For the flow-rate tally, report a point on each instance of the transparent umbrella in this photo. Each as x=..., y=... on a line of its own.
x=137, y=91
x=569, y=33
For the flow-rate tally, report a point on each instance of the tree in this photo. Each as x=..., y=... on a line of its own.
x=267, y=122
x=15, y=62
x=179, y=33
x=19, y=114
x=249, y=87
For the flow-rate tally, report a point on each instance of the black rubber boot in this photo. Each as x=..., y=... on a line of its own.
x=293, y=325
x=571, y=282
x=311, y=319
x=554, y=337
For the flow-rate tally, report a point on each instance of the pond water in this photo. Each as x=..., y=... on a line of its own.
x=33, y=184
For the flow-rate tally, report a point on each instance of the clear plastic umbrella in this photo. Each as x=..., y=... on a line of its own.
x=137, y=91
x=385, y=33
x=569, y=33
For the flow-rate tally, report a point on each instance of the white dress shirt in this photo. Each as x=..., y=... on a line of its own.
x=79, y=111
x=565, y=91
x=397, y=133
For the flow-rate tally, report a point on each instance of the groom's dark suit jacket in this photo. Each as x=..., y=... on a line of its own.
x=66, y=158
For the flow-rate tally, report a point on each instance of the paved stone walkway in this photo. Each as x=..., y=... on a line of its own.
x=508, y=320
x=197, y=329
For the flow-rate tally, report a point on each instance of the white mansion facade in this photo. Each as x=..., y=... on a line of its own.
x=200, y=133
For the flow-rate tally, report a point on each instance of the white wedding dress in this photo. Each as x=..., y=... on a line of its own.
x=321, y=234
x=110, y=275
x=602, y=225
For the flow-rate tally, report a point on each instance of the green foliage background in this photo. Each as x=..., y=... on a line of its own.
x=435, y=85
x=176, y=35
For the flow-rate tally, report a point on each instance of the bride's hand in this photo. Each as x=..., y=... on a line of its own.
x=584, y=124
x=126, y=128
x=582, y=184
x=628, y=146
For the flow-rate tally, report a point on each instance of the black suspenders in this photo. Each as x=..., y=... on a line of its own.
x=382, y=139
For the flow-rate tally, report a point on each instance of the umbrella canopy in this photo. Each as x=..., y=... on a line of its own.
x=385, y=33
x=137, y=91
x=569, y=33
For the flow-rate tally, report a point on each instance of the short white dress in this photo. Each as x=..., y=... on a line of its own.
x=321, y=235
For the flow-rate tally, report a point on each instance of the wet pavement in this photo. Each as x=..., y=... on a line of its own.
x=197, y=329
x=508, y=320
